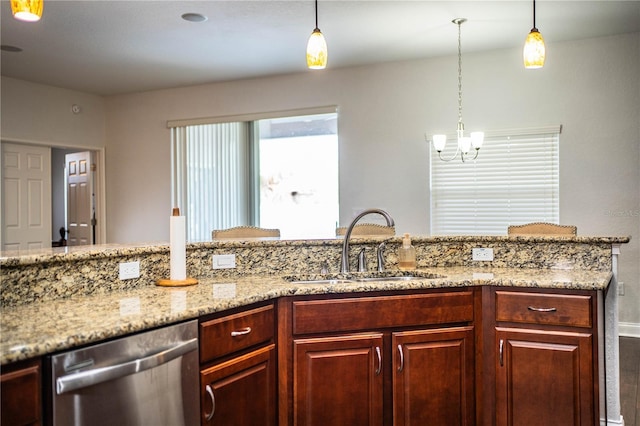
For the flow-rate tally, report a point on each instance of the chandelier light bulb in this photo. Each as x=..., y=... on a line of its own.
x=464, y=143
x=477, y=138
x=439, y=142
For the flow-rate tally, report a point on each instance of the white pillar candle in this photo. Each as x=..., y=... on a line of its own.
x=178, y=256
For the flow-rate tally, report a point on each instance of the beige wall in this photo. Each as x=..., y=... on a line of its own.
x=589, y=86
x=42, y=114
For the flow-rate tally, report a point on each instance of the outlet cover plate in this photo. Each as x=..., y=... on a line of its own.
x=129, y=270
x=224, y=261
x=482, y=254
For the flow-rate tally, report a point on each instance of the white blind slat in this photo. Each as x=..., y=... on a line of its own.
x=209, y=176
x=514, y=180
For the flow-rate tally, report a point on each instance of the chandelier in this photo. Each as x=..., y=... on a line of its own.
x=465, y=143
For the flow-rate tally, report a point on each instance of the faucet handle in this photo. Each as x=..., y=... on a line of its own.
x=381, y=249
x=362, y=261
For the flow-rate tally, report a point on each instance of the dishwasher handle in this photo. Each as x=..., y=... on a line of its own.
x=104, y=374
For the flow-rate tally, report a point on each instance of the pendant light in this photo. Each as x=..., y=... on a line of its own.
x=465, y=143
x=534, y=51
x=27, y=10
x=316, y=48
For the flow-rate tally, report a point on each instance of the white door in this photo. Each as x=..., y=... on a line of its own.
x=26, y=197
x=79, y=194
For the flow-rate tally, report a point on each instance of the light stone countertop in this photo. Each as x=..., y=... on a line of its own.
x=42, y=328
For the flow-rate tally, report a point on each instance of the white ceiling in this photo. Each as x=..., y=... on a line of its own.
x=111, y=47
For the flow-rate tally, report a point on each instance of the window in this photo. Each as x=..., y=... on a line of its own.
x=515, y=180
x=299, y=176
x=273, y=172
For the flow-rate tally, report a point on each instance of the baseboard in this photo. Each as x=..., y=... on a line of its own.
x=619, y=422
x=629, y=329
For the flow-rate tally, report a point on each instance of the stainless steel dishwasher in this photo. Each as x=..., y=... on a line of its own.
x=149, y=378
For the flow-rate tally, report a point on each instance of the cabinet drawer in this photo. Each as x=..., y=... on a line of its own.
x=541, y=308
x=222, y=336
x=370, y=313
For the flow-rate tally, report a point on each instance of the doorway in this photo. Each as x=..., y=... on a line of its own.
x=55, y=232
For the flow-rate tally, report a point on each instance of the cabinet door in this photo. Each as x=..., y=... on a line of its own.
x=242, y=391
x=20, y=393
x=544, y=378
x=433, y=377
x=338, y=380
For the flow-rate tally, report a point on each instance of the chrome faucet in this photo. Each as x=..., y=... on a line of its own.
x=344, y=268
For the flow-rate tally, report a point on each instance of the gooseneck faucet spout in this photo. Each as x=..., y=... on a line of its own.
x=344, y=268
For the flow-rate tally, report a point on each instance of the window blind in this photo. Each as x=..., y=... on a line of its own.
x=514, y=180
x=211, y=176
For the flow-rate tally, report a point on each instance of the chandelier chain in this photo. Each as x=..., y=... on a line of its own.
x=459, y=75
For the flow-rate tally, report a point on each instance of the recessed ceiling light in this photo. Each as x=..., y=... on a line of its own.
x=194, y=17
x=8, y=48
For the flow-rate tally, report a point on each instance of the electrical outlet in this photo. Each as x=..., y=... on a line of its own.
x=620, y=289
x=482, y=254
x=129, y=270
x=224, y=261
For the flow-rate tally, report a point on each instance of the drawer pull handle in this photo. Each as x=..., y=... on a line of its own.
x=501, y=352
x=379, y=355
x=241, y=332
x=213, y=402
x=401, y=366
x=533, y=308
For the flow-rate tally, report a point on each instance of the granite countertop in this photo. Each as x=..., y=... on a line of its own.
x=71, y=253
x=41, y=328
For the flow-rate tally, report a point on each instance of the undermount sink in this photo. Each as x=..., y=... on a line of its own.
x=327, y=281
x=357, y=277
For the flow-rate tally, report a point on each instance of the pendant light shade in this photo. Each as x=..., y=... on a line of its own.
x=27, y=10
x=316, y=48
x=317, y=51
x=534, y=50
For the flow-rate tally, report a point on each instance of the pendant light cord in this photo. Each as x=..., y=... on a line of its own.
x=534, y=19
x=534, y=15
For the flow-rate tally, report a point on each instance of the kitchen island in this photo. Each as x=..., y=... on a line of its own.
x=54, y=301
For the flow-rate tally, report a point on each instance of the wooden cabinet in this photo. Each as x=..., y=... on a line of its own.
x=338, y=380
x=378, y=360
x=20, y=390
x=238, y=368
x=546, y=358
x=433, y=380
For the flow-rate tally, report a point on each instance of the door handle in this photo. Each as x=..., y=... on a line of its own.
x=241, y=332
x=209, y=392
x=501, y=352
x=401, y=366
x=87, y=378
x=533, y=308
x=379, y=356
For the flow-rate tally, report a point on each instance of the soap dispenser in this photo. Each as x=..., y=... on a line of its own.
x=406, y=254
